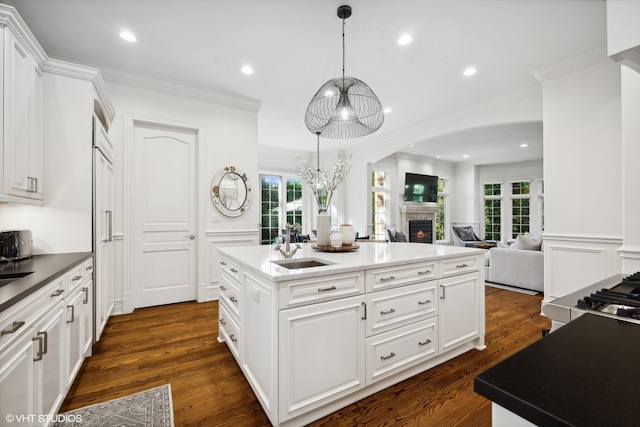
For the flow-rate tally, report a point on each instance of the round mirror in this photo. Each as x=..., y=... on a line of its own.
x=231, y=192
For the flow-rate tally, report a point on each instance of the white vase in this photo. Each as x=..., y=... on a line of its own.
x=323, y=228
x=348, y=234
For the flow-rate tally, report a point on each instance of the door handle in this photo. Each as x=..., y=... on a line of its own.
x=191, y=236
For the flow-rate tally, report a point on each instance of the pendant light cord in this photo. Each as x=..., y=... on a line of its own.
x=318, y=158
x=343, y=51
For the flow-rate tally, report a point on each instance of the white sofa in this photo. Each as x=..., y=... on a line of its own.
x=516, y=267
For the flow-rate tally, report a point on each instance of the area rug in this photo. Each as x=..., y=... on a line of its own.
x=149, y=408
x=511, y=288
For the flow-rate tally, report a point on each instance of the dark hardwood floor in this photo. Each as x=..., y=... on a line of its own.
x=177, y=344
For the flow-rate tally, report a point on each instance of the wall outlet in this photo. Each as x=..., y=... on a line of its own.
x=255, y=294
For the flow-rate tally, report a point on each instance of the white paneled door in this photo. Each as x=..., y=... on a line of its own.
x=164, y=205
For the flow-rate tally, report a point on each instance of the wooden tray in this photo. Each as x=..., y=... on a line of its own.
x=329, y=248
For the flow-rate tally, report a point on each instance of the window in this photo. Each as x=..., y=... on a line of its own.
x=520, y=204
x=276, y=210
x=492, y=211
x=379, y=204
x=441, y=215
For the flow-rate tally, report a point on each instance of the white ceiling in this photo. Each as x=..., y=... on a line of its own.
x=294, y=46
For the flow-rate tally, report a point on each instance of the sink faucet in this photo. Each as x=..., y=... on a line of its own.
x=288, y=253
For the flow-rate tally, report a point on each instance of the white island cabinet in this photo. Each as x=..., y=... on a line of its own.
x=311, y=340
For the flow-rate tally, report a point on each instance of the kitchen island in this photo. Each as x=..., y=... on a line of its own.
x=322, y=330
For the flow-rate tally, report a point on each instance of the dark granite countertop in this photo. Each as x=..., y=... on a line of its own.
x=583, y=374
x=45, y=268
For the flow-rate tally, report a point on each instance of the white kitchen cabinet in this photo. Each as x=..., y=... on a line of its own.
x=18, y=380
x=49, y=361
x=74, y=334
x=321, y=349
x=87, y=309
x=458, y=310
x=22, y=123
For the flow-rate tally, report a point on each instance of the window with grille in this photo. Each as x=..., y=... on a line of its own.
x=520, y=207
x=279, y=205
x=492, y=211
x=442, y=214
x=380, y=186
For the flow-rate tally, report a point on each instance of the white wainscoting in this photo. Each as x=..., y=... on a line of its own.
x=573, y=262
x=218, y=239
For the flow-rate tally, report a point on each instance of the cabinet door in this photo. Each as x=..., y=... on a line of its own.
x=17, y=380
x=49, y=361
x=74, y=334
x=458, y=316
x=87, y=309
x=322, y=354
x=23, y=103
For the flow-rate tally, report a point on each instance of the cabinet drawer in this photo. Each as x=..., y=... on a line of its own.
x=308, y=291
x=231, y=268
x=454, y=266
x=391, y=277
x=74, y=277
x=230, y=292
x=229, y=330
x=396, y=307
x=401, y=348
x=87, y=267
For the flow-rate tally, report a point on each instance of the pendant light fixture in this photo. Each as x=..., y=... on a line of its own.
x=344, y=107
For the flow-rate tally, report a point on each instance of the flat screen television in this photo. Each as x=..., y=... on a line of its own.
x=420, y=188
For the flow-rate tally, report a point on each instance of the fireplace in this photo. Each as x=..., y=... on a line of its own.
x=421, y=231
x=419, y=214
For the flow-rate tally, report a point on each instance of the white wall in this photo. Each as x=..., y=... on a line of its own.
x=583, y=176
x=623, y=31
x=64, y=222
x=229, y=139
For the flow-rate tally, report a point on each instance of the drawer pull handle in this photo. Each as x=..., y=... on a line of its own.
x=388, y=357
x=73, y=313
x=223, y=288
x=461, y=265
x=388, y=311
x=46, y=341
x=234, y=299
x=86, y=295
x=428, y=341
x=424, y=272
x=223, y=263
x=40, y=353
x=57, y=293
x=14, y=327
x=76, y=278
x=222, y=321
x=330, y=288
x=384, y=279
x=89, y=267
x=424, y=302
x=233, y=270
x=364, y=304
x=233, y=338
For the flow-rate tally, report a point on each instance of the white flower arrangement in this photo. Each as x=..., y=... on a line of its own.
x=323, y=187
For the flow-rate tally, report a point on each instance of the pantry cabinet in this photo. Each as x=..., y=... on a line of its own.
x=22, y=122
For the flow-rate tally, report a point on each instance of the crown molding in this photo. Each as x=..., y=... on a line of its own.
x=570, y=65
x=278, y=151
x=171, y=88
x=10, y=18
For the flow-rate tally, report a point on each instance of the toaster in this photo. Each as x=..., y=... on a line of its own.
x=15, y=245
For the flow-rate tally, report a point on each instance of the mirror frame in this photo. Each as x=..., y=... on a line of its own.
x=215, y=192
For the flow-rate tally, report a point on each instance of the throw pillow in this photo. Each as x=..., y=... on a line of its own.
x=466, y=234
x=502, y=245
x=400, y=236
x=527, y=242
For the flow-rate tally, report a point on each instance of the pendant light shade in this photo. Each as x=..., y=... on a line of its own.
x=344, y=107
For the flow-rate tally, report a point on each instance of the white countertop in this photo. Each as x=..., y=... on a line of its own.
x=370, y=254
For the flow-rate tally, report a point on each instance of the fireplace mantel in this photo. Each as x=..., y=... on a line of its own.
x=417, y=211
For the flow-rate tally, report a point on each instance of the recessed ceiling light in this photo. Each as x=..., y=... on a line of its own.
x=524, y=145
x=437, y=157
x=247, y=70
x=466, y=156
x=387, y=110
x=405, y=39
x=128, y=36
x=470, y=71
x=411, y=146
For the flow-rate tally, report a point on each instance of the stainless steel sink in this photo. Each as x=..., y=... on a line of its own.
x=293, y=264
x=6, y=278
